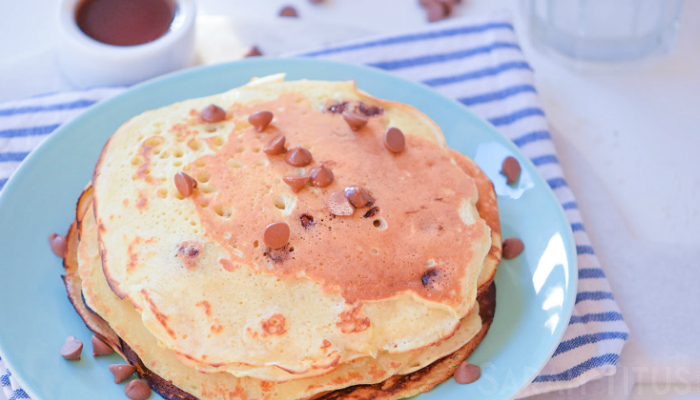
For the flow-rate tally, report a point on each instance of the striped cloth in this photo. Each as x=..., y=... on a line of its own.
x=479, y=63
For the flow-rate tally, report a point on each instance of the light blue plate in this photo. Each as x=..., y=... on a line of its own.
x=536, y=291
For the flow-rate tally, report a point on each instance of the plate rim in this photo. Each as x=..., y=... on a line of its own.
x=569, y=241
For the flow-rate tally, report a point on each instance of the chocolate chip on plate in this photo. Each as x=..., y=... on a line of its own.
x=185, y=184
x=253, y=52
x=321, y=176
x=512, y=247
x=260, y=120
x=511, y=169
x=276, y=235
x=137, y=390
x=296, y=182
x=288, y=11
x=339, y=205
x=58, y=244
x=355, y=121
x=394, y=140
x=121, y=371
x=213, y=113
x=298, y=157
x=72, y=348
x=100, y=348
x=357, y=196
x=467, y=373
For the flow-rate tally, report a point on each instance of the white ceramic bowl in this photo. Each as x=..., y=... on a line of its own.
x=87, y=62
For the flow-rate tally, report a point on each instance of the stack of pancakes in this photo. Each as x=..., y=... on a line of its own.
x=382, y=304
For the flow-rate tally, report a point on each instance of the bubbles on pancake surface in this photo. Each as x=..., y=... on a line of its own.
x=153, y=141
x=223, y=211
x=203, y=176
x=195, y=144
x=380, y=224
x=137, y=160
x=208, y=188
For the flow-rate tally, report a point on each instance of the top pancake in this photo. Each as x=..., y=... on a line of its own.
x=347, y=290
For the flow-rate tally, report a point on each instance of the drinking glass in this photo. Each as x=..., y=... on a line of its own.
x=604, y=30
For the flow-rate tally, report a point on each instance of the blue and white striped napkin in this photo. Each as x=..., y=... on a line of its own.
x=479, y=63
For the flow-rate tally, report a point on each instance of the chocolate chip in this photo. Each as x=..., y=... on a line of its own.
x=121, y=371
x=370, y=111
x=339, y=205
x=298, y=157
x=512, y=247
x=185, y=184
x=511, y=169
x=435, y=11
x=58, y=244
x=275, y=146
x=213, y=113
x=137, y=390
x=321, y=176
x=467, y=373
x=100, y=348
x=253, y=52
x=296, y=182
x=188, y=252
x=276, y=235
x=72, y=348
x=338, y=107
x=447, y=5
x=260, y=120
x=429, y=276
x=355, y=121
x=394, y=140
x=371, y=212
x=288, y=11
x=357, y=196
x=306, y=220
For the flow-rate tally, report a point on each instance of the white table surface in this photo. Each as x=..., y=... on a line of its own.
x=628, y=141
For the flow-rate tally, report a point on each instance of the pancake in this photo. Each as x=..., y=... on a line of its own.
x=125, y=321
x=348, y=291
x=487, y=207
x=394, y=388
x=72, y=280
x=424, y=380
